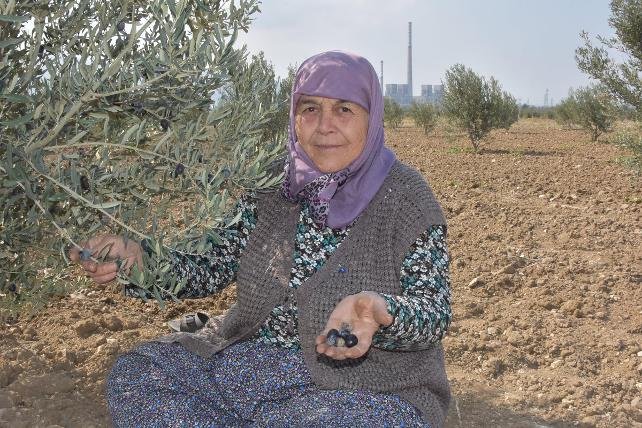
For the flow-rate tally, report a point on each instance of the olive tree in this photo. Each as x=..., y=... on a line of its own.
x=133, y=117
x=392, y=113
x=622, y=80
x=424, y=115
x=589, y=108
x=476, y=104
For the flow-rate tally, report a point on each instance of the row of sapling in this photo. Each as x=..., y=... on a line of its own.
x=134, y=118
x=590, y=108
x=527, y=111
x=476, y=104
x=424, y=115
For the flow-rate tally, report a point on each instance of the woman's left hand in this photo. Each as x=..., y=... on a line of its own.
x=364, y=312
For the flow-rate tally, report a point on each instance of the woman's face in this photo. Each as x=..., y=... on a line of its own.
x=332, y=132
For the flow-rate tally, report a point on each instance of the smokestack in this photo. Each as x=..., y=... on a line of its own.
x=381, y=75
x=410, y=58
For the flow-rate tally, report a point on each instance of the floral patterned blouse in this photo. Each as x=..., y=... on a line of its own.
x=421, y=313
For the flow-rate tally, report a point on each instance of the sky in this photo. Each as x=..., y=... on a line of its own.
x=527, y=45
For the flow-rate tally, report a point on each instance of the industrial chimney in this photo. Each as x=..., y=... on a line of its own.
x=410, y=60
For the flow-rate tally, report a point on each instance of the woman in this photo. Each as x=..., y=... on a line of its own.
x=353, y=239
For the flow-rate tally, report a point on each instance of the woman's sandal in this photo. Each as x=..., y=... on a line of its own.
x=189, y=323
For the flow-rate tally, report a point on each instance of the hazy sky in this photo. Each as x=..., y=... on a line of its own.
x=528, y=45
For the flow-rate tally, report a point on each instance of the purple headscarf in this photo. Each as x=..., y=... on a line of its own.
x=336, y=199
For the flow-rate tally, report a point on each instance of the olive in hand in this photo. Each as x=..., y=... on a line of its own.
x=341, y=338
x=85, y=254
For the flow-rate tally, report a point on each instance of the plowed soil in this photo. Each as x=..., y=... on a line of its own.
x=545, y=235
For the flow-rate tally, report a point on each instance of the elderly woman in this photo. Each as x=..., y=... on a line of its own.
x=353, y=239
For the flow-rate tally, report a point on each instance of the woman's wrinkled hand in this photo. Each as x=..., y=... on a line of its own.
x=120, y=254
x=364, y=312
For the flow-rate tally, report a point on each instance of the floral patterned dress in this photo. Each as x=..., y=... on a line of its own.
x=421, y=313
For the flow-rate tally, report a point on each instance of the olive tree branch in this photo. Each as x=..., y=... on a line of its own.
x=82, y=199
x=88, y=96
x=122, y=146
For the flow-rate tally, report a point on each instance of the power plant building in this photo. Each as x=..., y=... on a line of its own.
x=402, y=92
x=431, y=94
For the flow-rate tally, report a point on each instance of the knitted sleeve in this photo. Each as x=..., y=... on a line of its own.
x=422, y=313
x=212, y=271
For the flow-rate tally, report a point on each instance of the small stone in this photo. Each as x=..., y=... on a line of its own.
x=494, y=367
x=86, y=328
x=555, y=364
x=112, y=323
x=492, y=331
x=476, y=282
x=340, y=341
x=29, y=333
x=108, y=348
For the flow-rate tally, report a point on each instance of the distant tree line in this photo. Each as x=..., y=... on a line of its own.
x=477, y=105
x=473, y=103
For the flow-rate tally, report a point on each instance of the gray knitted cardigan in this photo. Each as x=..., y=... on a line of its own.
x=369, y=258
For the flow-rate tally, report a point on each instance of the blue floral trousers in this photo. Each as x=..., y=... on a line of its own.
x=249, y=384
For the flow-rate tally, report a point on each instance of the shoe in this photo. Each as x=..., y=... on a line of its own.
x=189, y=323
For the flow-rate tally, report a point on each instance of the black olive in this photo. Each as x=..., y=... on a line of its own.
x=120, y=26
x=138, y=107
x=164, y=123
x=350, y=340
x=56, y=209
x=331, y=337
x=180, y=169
x=12, y=287
x=85, y=254
x=84, y=183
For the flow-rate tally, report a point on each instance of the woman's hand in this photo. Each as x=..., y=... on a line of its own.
x=121, y=254
x=364, y=312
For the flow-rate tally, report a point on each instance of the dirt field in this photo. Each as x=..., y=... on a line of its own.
x=545, y=233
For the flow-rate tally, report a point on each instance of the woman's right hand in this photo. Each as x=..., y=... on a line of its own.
x=129, y=253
